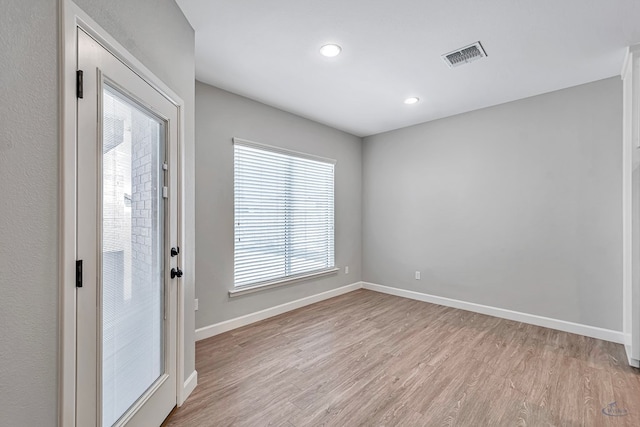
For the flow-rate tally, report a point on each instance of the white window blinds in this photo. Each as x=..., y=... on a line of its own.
x=284, y=211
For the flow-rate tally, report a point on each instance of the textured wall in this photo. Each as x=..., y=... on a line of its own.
x=28, y=212
x=222, y=115
x=517, y=206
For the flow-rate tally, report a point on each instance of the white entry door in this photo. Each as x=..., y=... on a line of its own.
x=127, y=214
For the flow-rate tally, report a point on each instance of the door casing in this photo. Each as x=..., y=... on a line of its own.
x=72, y=18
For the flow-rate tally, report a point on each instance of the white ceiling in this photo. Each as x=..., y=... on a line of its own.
x=268, y=51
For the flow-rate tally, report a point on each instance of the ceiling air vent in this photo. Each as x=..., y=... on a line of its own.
x=464, y=55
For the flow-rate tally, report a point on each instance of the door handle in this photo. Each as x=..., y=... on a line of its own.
x=176, y=272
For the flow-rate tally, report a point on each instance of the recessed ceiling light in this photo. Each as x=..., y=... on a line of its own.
x=330, y=50
x=412, y=100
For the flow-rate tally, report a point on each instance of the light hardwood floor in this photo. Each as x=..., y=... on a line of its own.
x=370, y=359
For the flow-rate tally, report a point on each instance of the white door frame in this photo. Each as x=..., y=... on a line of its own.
x=630, y=215
x=72, y=17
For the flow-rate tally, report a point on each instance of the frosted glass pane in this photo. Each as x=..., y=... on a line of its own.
x=132, y=249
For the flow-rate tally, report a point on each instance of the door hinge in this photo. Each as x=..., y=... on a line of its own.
x=79, y=84
x=79, y=273
x=165, y=192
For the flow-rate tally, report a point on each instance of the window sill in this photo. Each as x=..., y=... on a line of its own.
x=277, y=283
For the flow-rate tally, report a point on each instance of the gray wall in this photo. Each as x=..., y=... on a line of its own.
x=28, y=212
x=156, y=32
x=220, y=116
x=517, y=206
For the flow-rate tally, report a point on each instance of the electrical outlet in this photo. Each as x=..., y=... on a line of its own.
x=346, y=270
x=417, y=275
x=195, y=304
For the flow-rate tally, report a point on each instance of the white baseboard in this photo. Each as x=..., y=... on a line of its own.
x=561, y=325
x=547, y=322
x=188, y=387
x=227, y=325
x=632, y=362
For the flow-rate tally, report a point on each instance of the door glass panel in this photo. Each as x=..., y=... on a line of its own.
x=132, y=253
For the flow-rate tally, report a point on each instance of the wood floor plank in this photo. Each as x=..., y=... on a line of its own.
x=369, y=359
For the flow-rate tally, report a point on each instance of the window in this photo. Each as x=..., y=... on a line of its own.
x=284, y=213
